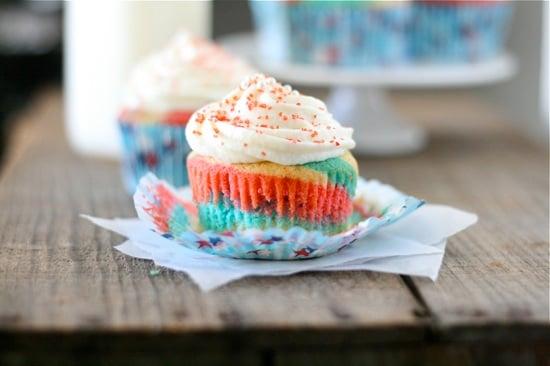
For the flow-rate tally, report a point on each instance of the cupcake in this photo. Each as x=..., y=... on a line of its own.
x=341, y=33
x=266, y=156
x=459, y=31
x=162, y=93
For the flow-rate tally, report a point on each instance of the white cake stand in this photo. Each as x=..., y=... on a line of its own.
x=358, y=97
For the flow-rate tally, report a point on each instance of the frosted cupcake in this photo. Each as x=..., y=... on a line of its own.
x=163, y=92
x=268, y=156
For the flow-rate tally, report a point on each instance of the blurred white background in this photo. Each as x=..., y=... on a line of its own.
x=103, y=40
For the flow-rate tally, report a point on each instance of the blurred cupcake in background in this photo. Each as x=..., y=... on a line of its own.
x=459, y=30
x=162, y=93
x=341, y=33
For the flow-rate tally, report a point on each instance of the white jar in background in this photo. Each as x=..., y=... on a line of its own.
x=102, y=41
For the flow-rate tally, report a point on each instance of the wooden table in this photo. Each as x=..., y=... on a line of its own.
x=67, y=295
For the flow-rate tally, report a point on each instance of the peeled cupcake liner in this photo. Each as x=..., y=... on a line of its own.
x=459, y=32
x=342, y=34
x=153, y=147
x=158, y=204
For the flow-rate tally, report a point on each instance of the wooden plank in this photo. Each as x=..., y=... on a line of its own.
x=495, y=273
x=498, y=270
x=59, y=273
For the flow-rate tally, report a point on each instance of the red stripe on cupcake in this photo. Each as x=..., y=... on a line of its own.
x=178, y=117
x=269, y=194
x=161, y=209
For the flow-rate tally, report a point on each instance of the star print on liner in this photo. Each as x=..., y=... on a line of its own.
x=172, y=214
x=414, y=246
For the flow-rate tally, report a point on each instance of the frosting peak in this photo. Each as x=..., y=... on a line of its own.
x=186, y=74
x=263, y=120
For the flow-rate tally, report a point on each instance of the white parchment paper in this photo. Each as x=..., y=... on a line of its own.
x=413, y=246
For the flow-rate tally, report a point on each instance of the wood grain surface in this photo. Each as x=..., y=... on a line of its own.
x=497, y=271
x=60, y=272
x=60, y=278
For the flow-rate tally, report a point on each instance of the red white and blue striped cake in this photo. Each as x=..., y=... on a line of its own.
x=267, y=156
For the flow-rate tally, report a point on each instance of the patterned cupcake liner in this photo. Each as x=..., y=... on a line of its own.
x=162, y=207
x=459, y=32
x=158, y=148
x=335, y=33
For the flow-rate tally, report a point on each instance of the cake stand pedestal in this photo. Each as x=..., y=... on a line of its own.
x=378, y=129
x=358, y=97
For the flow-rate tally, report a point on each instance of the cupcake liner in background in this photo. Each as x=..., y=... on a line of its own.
x=459, y=31
x=348, y=34
x=153, y=147
x=163, y=91
x=344, y=33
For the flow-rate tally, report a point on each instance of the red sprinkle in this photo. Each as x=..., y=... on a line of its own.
x=221, y=116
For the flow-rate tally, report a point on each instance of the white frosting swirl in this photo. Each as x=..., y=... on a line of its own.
x=187, y=74
x=262, y=120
